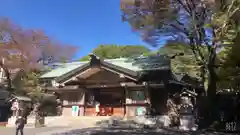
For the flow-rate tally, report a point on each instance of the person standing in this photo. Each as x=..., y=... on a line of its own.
x=20, y=123
x=97, y=108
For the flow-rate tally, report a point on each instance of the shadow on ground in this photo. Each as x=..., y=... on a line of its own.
x=118, y=127
x=132, y=131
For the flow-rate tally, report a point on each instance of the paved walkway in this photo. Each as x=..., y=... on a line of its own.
x=83, y=126
x=30, y=131
x=55, y=125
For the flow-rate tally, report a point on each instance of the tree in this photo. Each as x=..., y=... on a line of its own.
x=181, y=64
x=85, y=58
x=23, y=50
x=200, y=24
x=228, y=74
x=24, y=53
x=115, y=51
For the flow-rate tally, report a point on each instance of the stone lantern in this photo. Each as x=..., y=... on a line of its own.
x=187, y=121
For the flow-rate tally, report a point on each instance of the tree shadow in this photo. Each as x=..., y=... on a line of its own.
x=132, y=131
x=117, y=127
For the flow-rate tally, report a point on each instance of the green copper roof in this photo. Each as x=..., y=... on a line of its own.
x=62, y=69
x=124, y=63
x=129, y=64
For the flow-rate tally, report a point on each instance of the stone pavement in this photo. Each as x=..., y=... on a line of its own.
x=55, y=125
x=30, y=131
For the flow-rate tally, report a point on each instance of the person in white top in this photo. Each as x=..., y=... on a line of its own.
x=15, y=108
x=97, y=108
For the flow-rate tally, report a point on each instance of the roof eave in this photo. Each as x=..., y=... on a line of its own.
x=129, y=72
x=71, y=73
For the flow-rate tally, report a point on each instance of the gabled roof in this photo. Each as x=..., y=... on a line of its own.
x=62, y=69
x=133, y=68
x=128, y=67
x=67, y=68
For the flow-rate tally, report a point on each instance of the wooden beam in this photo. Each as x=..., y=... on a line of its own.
x=85, y=73
x=113, y=71
x=61, y=89
x=81, y=81
x=129, y=85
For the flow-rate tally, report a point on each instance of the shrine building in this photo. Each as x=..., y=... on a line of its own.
x=121, y=86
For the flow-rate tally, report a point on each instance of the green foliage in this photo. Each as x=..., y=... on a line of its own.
x=115, y=51
x=229, y=77
x=225, y=22
x=228, y=74
x=26, y=82
x=204, y=25
x=85, y=58
x=32, y=88
x=186, y=64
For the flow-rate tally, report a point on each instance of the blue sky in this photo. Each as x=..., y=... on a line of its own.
x=83, y=23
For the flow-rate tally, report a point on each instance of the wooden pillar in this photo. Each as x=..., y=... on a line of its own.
x=147, y=95
x=82, y=103
x=128, y=101
x=124, y=101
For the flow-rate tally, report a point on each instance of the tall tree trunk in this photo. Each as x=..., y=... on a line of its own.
x=203, y=78
x=212, y=86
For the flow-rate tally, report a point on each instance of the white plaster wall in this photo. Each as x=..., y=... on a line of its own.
x=67, y=111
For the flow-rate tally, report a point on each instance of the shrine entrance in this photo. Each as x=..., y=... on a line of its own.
x=158, y=98
x=111, y=101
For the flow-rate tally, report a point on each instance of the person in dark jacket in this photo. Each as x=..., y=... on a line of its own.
x=20, y=123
